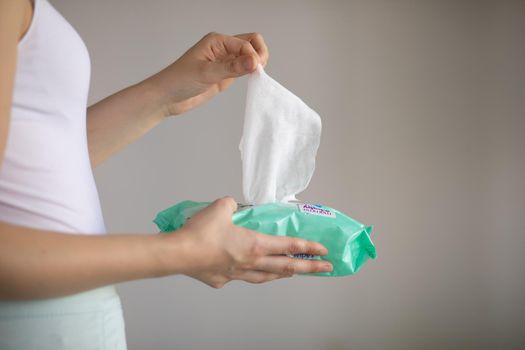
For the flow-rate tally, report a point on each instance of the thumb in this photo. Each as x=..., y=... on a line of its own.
x=233, y=68
x=226, y=205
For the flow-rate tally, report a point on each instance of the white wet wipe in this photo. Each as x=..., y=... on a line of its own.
x=279, y=143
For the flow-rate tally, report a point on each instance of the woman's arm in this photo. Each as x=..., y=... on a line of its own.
x=209, y=248
x=207, y=68
x=15, y=17
x=39, y=264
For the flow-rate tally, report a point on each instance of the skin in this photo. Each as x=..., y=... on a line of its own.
x=40, y=264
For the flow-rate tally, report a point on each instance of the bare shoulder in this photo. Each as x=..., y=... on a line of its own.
x=15, y=16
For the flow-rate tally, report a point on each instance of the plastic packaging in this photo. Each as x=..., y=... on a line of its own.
x=348, y=241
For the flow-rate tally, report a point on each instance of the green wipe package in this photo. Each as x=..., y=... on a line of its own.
x=348, y=241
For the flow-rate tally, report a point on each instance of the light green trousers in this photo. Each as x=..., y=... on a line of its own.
x=90, y=320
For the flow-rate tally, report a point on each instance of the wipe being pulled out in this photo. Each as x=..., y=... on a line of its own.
x=279, y=142
x=280, y=139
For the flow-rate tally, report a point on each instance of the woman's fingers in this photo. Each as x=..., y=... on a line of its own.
x=222, y=46
x=229, y=56
x=277, y=245
x=237, y=46
x=287, y=266
x=218, y=71
x=233, y=56
x=257, y=42
x=258, y=276
x=274, y=259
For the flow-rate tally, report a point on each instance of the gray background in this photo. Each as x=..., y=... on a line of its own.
x=423, y=107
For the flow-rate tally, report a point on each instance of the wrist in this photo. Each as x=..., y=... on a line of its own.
x=156, y=97
x=173, y=88
x=173, y=252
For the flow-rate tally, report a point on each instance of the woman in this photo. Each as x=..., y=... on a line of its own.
x=57, y=267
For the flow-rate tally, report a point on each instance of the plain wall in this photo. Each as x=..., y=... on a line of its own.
x=423, y=109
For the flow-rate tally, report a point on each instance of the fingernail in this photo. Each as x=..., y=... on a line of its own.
x=327, y=267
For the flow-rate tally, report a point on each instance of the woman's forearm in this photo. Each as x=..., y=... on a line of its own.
x=206, y=69
x=39, y=264
x=122, y=118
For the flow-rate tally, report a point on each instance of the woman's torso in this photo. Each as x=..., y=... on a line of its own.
x=46, y=182
x=46, y=179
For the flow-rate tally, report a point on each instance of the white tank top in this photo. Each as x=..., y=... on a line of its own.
x=46, y=180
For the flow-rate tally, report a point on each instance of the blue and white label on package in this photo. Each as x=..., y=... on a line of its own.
x=316, y=209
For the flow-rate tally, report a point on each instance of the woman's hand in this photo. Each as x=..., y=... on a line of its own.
x=206, y=69
x=215, y=251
